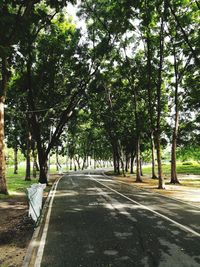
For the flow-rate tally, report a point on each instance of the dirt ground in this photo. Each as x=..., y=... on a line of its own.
x=16, y=228
x=188, y=190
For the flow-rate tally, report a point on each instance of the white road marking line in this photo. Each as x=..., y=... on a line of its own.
x=45, y=230
x=156, y=193
x=185, y=228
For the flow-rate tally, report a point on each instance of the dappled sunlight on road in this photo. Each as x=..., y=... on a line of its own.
x=94, y=225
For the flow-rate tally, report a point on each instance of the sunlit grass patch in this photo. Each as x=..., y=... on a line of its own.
x=192, y=168
x=16, y=182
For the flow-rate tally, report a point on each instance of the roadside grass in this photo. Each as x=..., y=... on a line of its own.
x=189, y=168
x=182, y=168
x=16, y=182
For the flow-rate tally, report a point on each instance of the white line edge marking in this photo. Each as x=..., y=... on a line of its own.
x=187, y=229
x=156, y=193
x=45, y=230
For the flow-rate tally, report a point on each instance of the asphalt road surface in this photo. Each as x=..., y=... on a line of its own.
x=98, y=222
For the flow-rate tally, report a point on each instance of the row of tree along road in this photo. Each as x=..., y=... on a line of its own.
x=121, y=88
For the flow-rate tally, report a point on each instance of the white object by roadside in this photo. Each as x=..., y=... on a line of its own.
x=60, y=170
x=35, y=195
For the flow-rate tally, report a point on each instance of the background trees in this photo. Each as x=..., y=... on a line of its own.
x=128, y=82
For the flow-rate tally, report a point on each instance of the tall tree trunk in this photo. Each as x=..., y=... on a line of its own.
x=138, y=174
x=121, y=158
x=77, y=158
x=35, y=126
x=122, y=166
x=28, y=158
x=137, y=123
x=3, y=89
x=127, y=162
x=84, y=163
x=66, y=162
x=150, y=89
x=75, y=168
x=16, y=160
x=114, y=162
x=141, y=172
x=3, y=185
x=153, y=157
x=161, y=183
x=37, y=166
x=174, y=178
x=34, y=163
x=94, y=161
x=116, y=157
x=57, y=161
x=43, y=167
x=70, y=164
x=132, y=162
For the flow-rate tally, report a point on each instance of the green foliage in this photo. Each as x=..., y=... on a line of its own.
x=115, y=70
x=10, y=157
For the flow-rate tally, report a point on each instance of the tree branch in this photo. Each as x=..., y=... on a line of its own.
x=184, y=33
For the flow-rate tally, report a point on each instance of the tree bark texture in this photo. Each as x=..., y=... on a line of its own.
x=132, y=162
x=15, y=160
x=149, y=91
x=141, y=171
x=174, y=178
x=35, y=126
x=154, y=176
x=3, y=89
x=161, y=183
x=57, y=161
x=70, y=164
x=3, y=185
x=34, y=163
x=116, y=158
x=127, y=162
x=138, y=173
x=28, y=158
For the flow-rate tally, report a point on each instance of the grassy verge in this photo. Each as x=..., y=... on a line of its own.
x=16, y=182
x=182, y=168
x=190, y=168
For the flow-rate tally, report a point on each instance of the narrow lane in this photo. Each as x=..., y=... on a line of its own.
x=93, y=226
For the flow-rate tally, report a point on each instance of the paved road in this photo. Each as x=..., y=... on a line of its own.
x=98, y=222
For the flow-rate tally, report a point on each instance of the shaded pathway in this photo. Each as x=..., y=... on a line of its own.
x=92, y=226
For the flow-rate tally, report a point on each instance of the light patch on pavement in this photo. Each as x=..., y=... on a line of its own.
x=63, y=193
x=144, y=262
x=113, y=204
x=110, y=252
x=124, y=258
x=173, y=252
x=122, y=235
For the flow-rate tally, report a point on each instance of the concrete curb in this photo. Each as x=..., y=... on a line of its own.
x=34, y=243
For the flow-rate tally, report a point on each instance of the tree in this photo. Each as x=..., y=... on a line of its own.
x=14, y=17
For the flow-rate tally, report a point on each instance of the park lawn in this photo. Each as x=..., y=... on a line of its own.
x=17, y=184
x=193, y=168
